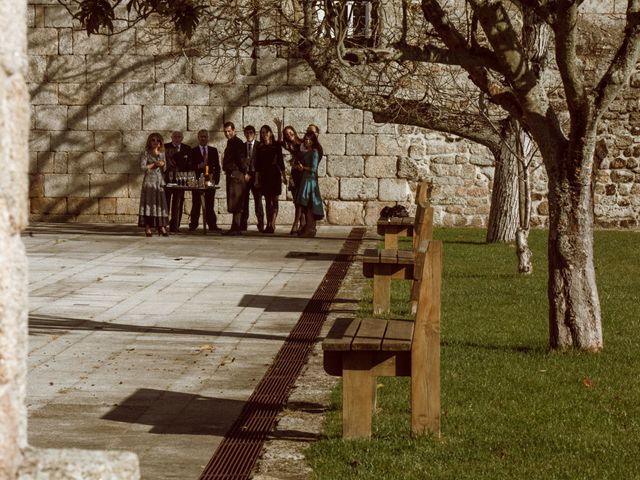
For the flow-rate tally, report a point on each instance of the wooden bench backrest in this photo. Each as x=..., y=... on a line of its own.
x=423, y=225
x=425, y=348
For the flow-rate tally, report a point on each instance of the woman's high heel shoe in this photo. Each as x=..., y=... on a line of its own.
x=163, y=231
x=148, y=233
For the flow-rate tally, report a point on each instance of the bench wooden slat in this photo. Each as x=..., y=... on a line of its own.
x=371, y=255
x=388, y=255
x=406, y=257
x=398, y=336
x=341, y=334
x=370, y=334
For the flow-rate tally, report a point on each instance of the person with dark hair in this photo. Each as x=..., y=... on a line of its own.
x=313, y=128
x=253, y=186
x=309, y=193
x=204, y=160
x=270, y=170
x=291, y=142
x=153, y=202
x=177, y=155
x=234, y=164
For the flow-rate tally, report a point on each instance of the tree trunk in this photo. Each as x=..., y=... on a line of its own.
x=503, y=213
x=574, y=306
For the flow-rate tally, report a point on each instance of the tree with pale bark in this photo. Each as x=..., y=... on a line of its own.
x=479, y=44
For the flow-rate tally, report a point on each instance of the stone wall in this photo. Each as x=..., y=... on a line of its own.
x=95, y=100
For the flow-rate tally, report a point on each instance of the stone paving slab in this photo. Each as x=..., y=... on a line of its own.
x=154, y=344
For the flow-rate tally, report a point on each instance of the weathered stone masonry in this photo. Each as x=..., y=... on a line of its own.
x=95, y=100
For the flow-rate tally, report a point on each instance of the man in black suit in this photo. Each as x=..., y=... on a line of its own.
x=201, y=156
x=234, y=164
x=252, y=186
x=177, y=156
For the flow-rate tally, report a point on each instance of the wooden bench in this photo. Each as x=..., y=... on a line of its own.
x=393, y=264
x=360, y=350
x=393, y=228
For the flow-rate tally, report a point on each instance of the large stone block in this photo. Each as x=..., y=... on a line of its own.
x=46, y=162
x=258, y=116
x=144, y=93
x=358, y=188
x=78, y=93
x=65, y=41
x=111, y=185
x=173, y=69
x=108, y=141
x=84, y=44
x=300, y=73
x=60, y=162
x=208, y=71
x=153, y=41
x=329, y=188
x=85, y=162
x=120, y=68
x=57, y=16
x=72, y=141
x=43, y=41
x=234, y=115
x=234, y=95
x=70, y=185
x=321, y=97
x=107, y=206
x=36, y=185
x=345, y=166
x=380, y=166
x=186, y=94
x=344, y=120
x=43, y=93
x=271, y=71
x=370, y=126
x=258, y=95
x=117, y=162
x=300, y=118
x=51, y=117
x=394, y=190
x=119, y=117
x=164, y=118
x=332, y=143
x=67, y=69
x=210, y=118
x=112, y=93
x=37, y=72
x=48, y=206
x=127, y=206
x=82, y=206
x=287, y=96
x=77, y=117
x=345, y=213
x=39, y=141
x=361, y=144
x=388, y=145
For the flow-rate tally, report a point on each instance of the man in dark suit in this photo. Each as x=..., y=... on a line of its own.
x=234, y=164
x=177, y=156
x=202, y=156
x=252, y=186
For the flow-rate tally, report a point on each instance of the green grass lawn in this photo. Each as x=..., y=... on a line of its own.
x=510, y=408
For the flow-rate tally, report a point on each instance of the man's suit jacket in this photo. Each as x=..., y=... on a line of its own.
x=177, y=159
x=235, y=165
x=197, y=162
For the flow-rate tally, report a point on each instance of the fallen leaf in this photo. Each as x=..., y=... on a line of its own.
x=207, y=347
x=587, y=382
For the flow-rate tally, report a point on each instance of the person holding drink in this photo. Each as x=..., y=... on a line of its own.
x=153, y=211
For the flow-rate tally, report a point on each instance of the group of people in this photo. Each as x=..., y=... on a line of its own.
x=255, y=166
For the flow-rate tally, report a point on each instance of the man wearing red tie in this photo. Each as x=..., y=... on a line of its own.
x=200, y=157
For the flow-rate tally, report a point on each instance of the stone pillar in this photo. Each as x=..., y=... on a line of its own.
x=16, y=458
x=14, y=135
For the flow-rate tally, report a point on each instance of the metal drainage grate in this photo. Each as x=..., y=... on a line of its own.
x=241, y=446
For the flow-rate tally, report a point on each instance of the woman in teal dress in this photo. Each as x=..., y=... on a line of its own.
x=309, y=192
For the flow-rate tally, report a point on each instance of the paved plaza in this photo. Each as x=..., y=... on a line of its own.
x=154, y=344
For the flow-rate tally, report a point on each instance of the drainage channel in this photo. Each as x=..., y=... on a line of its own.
x=236, y=455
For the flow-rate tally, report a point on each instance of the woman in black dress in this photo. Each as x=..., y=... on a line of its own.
x=291, y=142
x=270, y=173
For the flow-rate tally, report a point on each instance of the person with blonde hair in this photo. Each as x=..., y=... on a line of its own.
x=153, y=211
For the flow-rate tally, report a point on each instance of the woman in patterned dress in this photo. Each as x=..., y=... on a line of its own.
x=153, y=202
x=291, y=142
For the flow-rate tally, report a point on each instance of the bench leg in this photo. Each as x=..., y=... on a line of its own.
x=381, y=290
x=358, y=395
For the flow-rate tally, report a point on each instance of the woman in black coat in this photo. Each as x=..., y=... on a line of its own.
x=270, y=174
